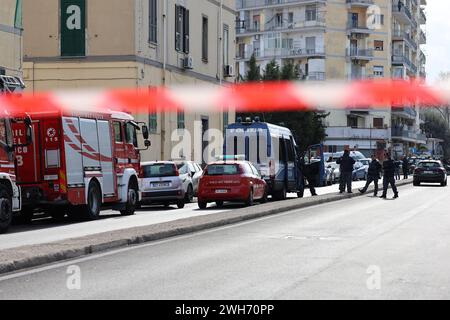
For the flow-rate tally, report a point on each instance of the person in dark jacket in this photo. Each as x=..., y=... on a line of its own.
x=373, y=175
x=397, y=169
x=405, y=167
x=308, y=173
x=346, y=167
x=389, y=176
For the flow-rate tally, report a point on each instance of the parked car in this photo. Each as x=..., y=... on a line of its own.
x=357, y=155
x=161, y=183
x=237, y=181
x=190, y=173
x=430, y=171
x=361, y=169
x=335, y=171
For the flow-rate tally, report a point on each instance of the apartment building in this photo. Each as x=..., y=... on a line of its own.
x=140, y=44
x=10, y=46
x=330, y=40
x=408, y=61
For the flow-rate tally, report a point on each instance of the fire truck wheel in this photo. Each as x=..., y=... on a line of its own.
x=91, y=211
x=5, y=209
x=132, y=201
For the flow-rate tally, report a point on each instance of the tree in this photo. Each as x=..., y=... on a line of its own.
x=272, y=71
x=436, y=127
x=254, y=72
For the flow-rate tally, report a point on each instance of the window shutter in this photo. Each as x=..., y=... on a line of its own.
x=177, y=28
x=186, y=31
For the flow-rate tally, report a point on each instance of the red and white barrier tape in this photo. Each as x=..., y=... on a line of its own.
x=248, y=97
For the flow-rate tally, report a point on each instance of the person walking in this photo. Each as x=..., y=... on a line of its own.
x=373, y=175
x=405, y=166
x=307, y=173
x=397, y=169
x=346, y=168
x=389, y=176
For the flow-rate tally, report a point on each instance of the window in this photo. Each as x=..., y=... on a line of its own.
x=352, y=122
x=205, y=38
x=378, y=45
x=290, y=17
x=222, y=169
x=378, y=123
x=2, y=131
x=226, y=44
x=378, y=71
x=180, y=120
x=290, y=150
x=311, y=13
x=118, y=132
x=153, y=21
x=310, y=45
x=153, y=122
x=181, y=29
x=159, y=170
x=130, y=133
x=279, y=19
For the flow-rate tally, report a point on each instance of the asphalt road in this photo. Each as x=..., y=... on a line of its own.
x=45, y=230
x=363, y=248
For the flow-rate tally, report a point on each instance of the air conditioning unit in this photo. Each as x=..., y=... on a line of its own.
x=228, y=71
x=188, y=62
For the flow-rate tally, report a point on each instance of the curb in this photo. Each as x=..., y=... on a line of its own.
x=25, y=257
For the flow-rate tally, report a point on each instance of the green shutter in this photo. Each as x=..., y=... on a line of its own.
x=73, y=28
x=18, y=15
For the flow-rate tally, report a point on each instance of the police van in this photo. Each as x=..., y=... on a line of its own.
x=272, y=149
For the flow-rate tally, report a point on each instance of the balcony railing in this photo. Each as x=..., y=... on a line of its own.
x=358, y=133
x=360, y=54
x=280, y=53
x=283, y=27
x=404, y=13
x=402, y=59
x=251, y=4
x=409, y=134
x=406, y=112
x=403, y=36
x=422, y=37
x=423, y=17
x=316, y=76
x=361, y=2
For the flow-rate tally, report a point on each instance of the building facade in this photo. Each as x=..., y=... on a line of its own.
x=71, y=44
x=331, y=40
x=11, y=38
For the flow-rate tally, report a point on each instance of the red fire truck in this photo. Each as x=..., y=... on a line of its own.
x=10, y=195
x=78, y=163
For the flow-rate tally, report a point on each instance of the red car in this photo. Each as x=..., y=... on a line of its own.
x=231, y=181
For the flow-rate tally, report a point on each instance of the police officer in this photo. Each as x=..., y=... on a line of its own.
x=308, y=173
x=373, y=175
x=389, y=176
x=346, y=167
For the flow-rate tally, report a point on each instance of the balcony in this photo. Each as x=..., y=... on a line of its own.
x=283, y=53
x=349, y=133
x=400, y=59
x=264, y=4
x=316, y=76
x=422, y=37
x=404, y=14
x=399, y=35
x=291, y=27
x=422, y=17
x=356, y=28
x=405, y=112
x=363, y=55
x=409, y=135
x=360, y=3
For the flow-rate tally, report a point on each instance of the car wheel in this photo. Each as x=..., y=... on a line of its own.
x=5, y=209
x=416, y=183
x=444, y=183
x=282, y=194
x=202, y=205
x=250, y=199
x=180, y=204
x=189, y=194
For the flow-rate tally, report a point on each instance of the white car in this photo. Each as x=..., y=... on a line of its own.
x=335, y=171
x=190, y=173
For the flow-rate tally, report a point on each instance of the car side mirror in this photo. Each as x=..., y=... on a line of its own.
x=147, y=143
x=145, y=132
